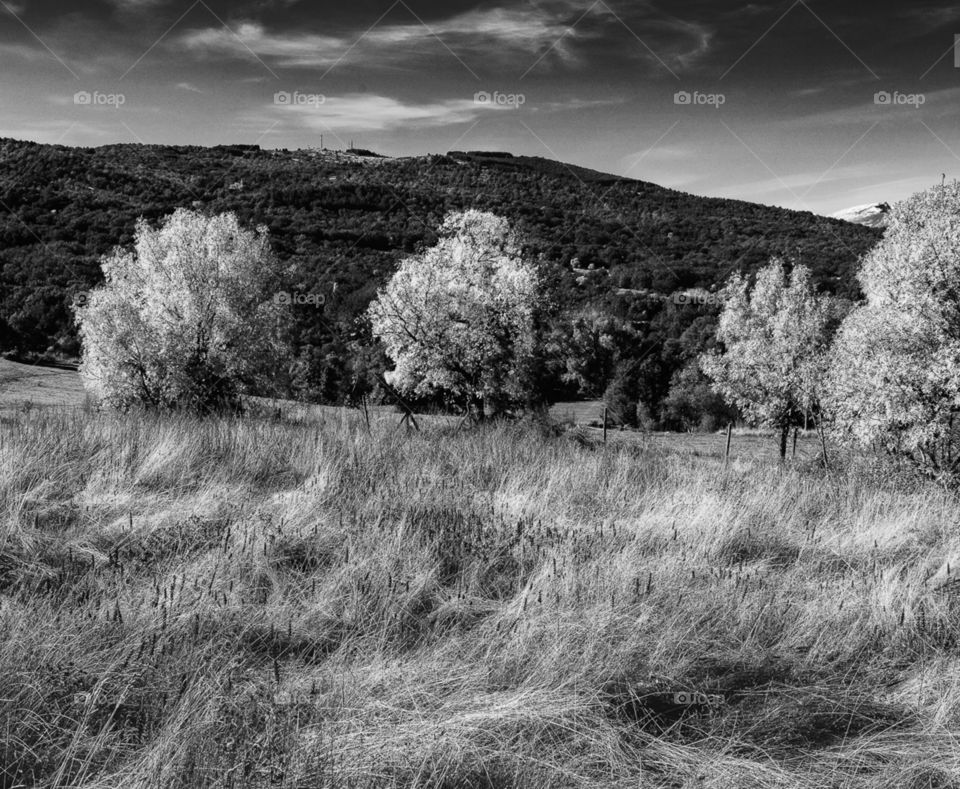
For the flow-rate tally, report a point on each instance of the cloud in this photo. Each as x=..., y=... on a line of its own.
x=660, y=153
x=359, y=112
x=682, y=54
x=559, y=33
x=931, y=18
x=864, y=112
x=137, y=5
x=188, y=86
x=574, y=105
x=490, y=31
x=24, y=52
x=833, y=87
x=800, y=185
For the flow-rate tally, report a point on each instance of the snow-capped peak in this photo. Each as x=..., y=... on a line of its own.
x=870, y=214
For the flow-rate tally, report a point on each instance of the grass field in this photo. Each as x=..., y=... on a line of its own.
x=25, y=386
x=252, y=603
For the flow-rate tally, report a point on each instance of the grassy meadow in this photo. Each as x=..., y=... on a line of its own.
x=231, y=603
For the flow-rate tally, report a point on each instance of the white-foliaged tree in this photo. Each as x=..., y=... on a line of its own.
x=459, y=317
x=185, y=319
x=774, y=347
x=894, y=381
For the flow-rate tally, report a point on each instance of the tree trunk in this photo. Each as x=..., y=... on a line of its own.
x=784, y=435
x=477, y=408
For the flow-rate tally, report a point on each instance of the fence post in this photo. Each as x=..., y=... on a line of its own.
x=407, y=410
x=366, y=414
x=726, y=452
x=823, y=446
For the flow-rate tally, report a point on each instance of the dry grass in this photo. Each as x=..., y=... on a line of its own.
x=251, y=603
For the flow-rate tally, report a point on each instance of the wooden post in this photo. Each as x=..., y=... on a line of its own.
x=407, y=410
x=366, y=415
x=604, y=424
x=794, y=453
x=823, y=446
x=726, y=452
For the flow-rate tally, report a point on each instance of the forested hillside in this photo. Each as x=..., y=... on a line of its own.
x=623, y=260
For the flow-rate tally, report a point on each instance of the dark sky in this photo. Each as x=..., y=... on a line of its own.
x=783, y=96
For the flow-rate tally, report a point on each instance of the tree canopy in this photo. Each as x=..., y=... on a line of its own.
x=187, y=317
x=458, y=318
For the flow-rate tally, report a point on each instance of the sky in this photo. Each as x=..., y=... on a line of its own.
x=808, y=105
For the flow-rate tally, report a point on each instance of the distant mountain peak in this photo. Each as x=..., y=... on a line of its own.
x=869, y=214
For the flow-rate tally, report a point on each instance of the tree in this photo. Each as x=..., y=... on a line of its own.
x=775, y=340
x=692, y=404
x=459, y=317
x=894, y=381
x=585, y=348
x=622, y=395
x=187, y=318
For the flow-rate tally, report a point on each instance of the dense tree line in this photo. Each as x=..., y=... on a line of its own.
x=628, y=268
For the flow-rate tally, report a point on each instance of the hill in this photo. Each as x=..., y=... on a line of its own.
x=343, y=220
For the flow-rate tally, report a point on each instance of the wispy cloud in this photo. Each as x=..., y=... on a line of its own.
x=800, y=182
x=659, y=154
x=136, y=5
x=358, y=112
x=494, y=32
x=25, y=52
x=574, y=105
x=560, y=33
x=930, y=18
x=882, y=189
x=865, y=111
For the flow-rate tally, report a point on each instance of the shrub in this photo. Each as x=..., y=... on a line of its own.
x=692, y=404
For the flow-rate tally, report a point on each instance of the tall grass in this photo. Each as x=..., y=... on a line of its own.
x=193, y=603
